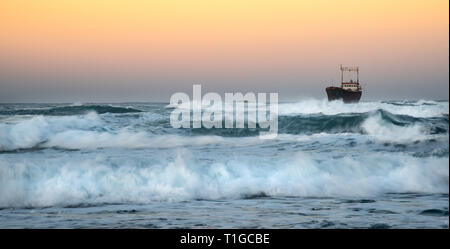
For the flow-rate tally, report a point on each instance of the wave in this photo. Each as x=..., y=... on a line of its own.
x=93, y=131
x=421, y=108
x=29, y=133
x=339, y=123
x=74, y=109
x=63, y=181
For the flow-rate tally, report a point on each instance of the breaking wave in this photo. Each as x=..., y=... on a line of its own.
x=63, y=181
x=421, y=108
x=92, y=131
x=95, y=154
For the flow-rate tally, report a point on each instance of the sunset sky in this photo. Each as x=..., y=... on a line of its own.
x=145, y=50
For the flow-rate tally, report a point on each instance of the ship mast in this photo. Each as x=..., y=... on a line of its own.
x=349, y=69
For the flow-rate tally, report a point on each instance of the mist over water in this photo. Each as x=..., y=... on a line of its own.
x=331, y=165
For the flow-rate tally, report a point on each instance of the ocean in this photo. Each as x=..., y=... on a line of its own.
x=381, y=164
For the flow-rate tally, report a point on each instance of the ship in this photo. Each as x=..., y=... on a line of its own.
x=350, y=91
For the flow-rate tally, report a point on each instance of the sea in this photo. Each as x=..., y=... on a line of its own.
x=373, y=164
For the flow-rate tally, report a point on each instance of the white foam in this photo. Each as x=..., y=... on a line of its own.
x=70, y=181
x=30, y=132
x=125, y=139
x=82, y=132
x=78, y=103
x=315, y=106
x=382, y=130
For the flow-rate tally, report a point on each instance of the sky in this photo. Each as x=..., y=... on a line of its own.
x=146, y=50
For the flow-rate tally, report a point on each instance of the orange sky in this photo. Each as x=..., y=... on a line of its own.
x=180, y=42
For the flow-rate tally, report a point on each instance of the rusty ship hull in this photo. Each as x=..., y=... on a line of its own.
x=348, y=96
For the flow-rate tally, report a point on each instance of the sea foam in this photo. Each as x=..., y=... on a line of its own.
x=89, y=181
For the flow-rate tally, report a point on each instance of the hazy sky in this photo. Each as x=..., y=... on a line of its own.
x=145, y=50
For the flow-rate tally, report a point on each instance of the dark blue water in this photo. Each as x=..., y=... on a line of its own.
x=332, y=165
